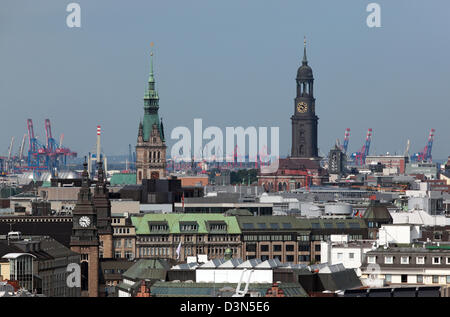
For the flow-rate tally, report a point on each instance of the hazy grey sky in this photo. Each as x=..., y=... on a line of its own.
x=231, y=63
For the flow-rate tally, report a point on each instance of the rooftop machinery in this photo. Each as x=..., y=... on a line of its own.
x=360, y=157
x=425, y=154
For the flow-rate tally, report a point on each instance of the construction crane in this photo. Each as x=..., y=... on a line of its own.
x=408, y=145
x=22, y=146
x=360, y=157
x=425, y=155
x=9, y=161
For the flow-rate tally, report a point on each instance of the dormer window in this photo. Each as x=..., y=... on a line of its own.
x=188, y=226
x=158, y=226
x=217, y=226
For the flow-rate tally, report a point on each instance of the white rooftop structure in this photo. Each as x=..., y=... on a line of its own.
x=249, y=264
x=231, y=264
x=185, y=266
x=419, y=217
x=16, y=255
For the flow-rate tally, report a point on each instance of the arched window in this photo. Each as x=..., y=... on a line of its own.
x=301, y=149
x=280, y=187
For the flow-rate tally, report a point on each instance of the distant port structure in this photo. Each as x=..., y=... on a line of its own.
x=47, y=155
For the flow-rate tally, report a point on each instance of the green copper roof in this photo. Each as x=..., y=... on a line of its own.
x=141, y=223
x=123, y=179
x=148, y=269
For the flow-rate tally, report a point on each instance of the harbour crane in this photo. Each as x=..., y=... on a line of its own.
x=425, y=154
x=360, y=157
x=346, y=139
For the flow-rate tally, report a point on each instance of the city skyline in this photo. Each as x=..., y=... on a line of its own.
x=364, y=77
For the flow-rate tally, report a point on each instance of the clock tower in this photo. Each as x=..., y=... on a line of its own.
x=102, y=206
x=84, y=239
x=304, y=120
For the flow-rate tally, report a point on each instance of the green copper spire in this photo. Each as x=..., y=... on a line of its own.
x=305, y=60
x=151, y=106
x=151, y=91
x=151, y=79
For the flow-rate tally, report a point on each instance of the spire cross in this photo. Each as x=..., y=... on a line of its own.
x=151, y=78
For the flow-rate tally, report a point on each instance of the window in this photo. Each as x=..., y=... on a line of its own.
x=351, y=255
x=264, y=248
x=159, y=227
x=388, y=278
x=448, y=260
x=404, y=278
x=339, y=256
x=303, y=247
x=448, y=279
x=317, y=258
x=420, y=260
x=250, y=247
x=274, y=226
x=218, y=227
x=404, y=260
x=303, y=258
x=435, y=279
x=289, y=247
x=303, y=238
x=372, y=259
x=420, y=279
x=436, y=260
x=317, y=247
x=189, y=227
x=261, y=225
x=277, y=248
x=289, y=258
x=388, y=259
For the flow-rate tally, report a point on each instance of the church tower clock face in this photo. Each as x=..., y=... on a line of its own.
x=302, y=107
x=84, y=221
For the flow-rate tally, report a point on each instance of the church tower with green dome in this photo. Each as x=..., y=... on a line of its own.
x=151, y=145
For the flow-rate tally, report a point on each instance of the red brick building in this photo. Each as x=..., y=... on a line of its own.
x=293, y=173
